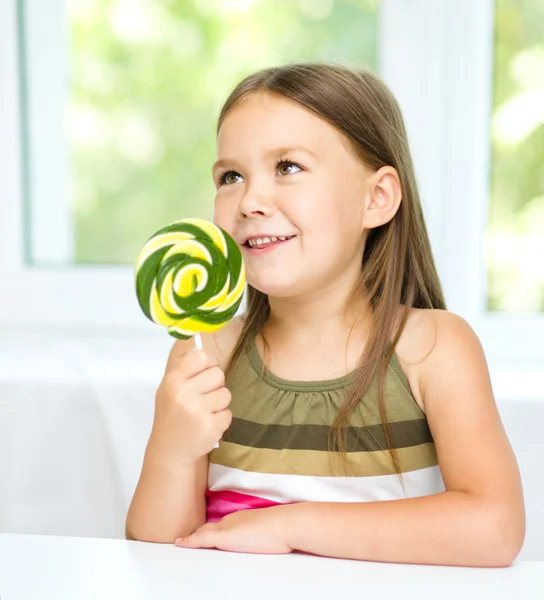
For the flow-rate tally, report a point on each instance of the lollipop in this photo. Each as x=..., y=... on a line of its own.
x=190, y=278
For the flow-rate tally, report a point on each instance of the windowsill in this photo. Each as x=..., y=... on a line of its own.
x=67, y=357
x=42, y=355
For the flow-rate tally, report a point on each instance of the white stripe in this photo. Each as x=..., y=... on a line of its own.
x=185, y=332
x=305, y=488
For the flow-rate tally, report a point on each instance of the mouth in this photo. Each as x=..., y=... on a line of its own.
x=264, y=243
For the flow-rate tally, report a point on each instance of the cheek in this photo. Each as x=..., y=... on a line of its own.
x=323, y=211
x=224, y=216
x=335, y=224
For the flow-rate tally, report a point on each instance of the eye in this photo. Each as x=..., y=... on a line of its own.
x=281, y=164
x=227, y=177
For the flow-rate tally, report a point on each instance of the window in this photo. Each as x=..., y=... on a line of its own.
x=136, y=86
x=450, y=90
x=515, y=238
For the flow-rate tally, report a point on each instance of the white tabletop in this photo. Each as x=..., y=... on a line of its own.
x=66, y=568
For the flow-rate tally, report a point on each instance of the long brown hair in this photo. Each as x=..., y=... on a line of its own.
x=398, y=268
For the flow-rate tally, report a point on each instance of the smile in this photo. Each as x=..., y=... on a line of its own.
x=260, y=245
x=263, y=241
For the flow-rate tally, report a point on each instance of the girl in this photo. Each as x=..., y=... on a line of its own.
x=357, y=415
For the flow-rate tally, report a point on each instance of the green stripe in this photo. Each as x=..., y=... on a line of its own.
x=401, y=404
x=256, y=400
x=145, y=277
x=403, y=434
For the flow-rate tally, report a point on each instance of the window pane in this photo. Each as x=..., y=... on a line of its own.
x=515, y=240
x=147, y=79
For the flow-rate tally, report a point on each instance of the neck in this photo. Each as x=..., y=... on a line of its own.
x=304, y=321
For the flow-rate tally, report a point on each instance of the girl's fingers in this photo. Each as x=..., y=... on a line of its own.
x=217, y=400
x=204, y=537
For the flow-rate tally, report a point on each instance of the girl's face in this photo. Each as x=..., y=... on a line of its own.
x=285, y=173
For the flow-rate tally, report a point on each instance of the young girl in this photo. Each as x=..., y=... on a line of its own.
x=356, y=415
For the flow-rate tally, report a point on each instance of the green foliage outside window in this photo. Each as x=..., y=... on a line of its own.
x=515, y=236
x=148, y=80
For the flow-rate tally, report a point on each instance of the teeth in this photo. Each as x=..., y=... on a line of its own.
x=265, y=240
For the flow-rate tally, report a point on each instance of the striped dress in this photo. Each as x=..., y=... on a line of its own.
x=276, y=449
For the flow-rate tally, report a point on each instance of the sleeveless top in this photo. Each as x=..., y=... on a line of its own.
x=276, y=450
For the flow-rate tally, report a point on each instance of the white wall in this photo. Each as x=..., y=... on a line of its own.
x=523, y=421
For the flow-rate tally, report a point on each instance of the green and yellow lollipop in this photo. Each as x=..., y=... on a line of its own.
x=190, y=278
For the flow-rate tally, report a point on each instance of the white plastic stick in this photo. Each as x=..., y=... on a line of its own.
x=198, y=346
x=198, y=341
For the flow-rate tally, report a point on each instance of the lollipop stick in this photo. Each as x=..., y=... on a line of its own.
x=198, y=346
x=198, y=341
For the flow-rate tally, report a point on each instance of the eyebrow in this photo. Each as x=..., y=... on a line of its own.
x=272, y=152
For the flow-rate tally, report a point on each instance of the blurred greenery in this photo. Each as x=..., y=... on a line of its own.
x=515, y=236
x=148, y=78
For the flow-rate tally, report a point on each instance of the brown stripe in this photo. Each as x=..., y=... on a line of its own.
x=322, y=464
x=403, y=434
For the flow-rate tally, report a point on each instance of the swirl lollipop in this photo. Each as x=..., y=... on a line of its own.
x=190, y=278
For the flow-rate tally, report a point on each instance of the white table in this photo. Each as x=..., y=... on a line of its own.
x=36, y=567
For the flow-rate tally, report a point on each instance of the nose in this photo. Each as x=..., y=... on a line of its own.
x=256, y=203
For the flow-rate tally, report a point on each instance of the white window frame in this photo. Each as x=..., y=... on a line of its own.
x=437, y=58
x=96, y=298
x=441, y=71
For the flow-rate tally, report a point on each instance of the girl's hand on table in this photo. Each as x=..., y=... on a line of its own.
x=255, y=531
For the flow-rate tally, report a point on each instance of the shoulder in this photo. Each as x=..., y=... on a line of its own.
x=433, y=330
x=434, y=341
x=219, y=344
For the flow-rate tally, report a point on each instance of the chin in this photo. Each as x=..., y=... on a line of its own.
x=277, y=289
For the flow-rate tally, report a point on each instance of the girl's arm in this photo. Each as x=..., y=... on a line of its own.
x=479, y=520
x=169, y=500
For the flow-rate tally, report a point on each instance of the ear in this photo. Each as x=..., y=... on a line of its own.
x=384, y=197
